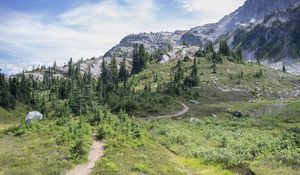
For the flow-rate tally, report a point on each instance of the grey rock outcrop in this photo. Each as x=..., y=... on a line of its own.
x=237, y=114
x=151, y=41
x=33, y=116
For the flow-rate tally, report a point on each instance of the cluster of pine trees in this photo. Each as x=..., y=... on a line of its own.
x=17, y=88
x=80, y=91
x=181, y=80
x=139, y=59
x=224, y=50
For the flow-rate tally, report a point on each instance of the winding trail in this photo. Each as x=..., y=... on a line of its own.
x=183, y=111
x=97, y=148
x=96, y=152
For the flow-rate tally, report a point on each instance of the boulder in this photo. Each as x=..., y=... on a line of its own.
x=194, y=102
x=228, y=110
x=194, y=120
x=33, y=115
x=237, y=114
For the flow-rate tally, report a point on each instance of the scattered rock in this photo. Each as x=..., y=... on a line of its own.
x=194, y=102
x=228, y=110
x=214, y=115
x=194, y=120
x=33, y=115
x=237, y=114
x=253, y=100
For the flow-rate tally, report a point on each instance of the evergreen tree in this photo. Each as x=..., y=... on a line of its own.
x=177, y=82
x=70, y=68
x=200, y=52
x=114, y=71
x=54, y=65
x=178, y=73
x=258, y=61
x=224, y=48
x=186, y=59
x=43, y=105
x=209, y=47
x=106, y=78
x=123, y=74
x=89, y=75
x=239, y=55
x=214, y=67
x=139, y=59
x=77, y=75
x=216, y=58
x=104, y=70
x=25, y=89
x=143, y=56
x=6, y=99
x=63, y=91
x=135, y=60
x=194, y=78
x=283, y=68
x=14, y=87
x=100, y=90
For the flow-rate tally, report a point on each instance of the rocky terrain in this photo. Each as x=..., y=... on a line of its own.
x=275, y=39
x=251, y=12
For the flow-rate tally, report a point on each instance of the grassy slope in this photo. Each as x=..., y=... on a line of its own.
x=42, y=148
x=9, y=118
x=37, y=151
x=150, y=158
x=231, y=141
x=274, y=84
x=185, y=139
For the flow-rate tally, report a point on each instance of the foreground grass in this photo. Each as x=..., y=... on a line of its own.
x=149, y=158
x=266, y=144
x=9, y=117
x=131, y=150
x=43, y=148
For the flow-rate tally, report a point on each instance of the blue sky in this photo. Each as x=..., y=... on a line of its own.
x=42, y=31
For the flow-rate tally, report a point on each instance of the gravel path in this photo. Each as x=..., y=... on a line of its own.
x=96, y=152
x=183, y=111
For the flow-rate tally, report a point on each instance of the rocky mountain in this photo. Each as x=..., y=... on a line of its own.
x=251, y=12
x=94, y=64
x=275, y=39
x=151, y=41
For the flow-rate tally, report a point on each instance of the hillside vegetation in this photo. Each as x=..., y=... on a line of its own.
x=242, y=118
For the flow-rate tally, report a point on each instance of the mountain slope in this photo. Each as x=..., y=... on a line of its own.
x=151, y=41
x=250, y=12
x=276, y=38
